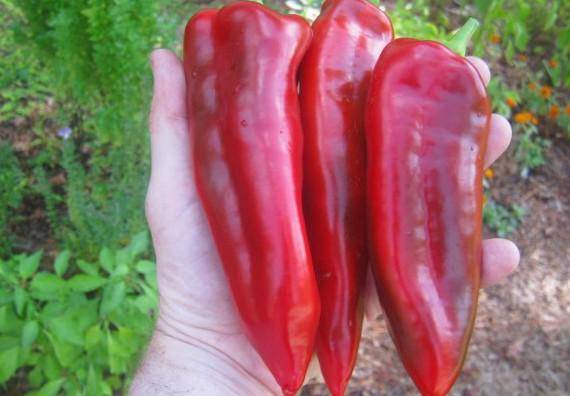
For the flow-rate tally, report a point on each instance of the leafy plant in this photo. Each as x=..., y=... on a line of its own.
x=76, y=326
x=12, y=183
x=22, y=83
x=502, y=220
x=94, y=54
x=417, y=19
x=530, y=148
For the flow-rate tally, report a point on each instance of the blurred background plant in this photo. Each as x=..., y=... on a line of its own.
x=77, y=289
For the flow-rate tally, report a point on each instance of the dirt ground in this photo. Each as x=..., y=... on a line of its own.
x=521, y=343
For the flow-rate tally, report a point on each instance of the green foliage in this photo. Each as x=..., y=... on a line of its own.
x=22, y=83
x=12, y=183
x=533, y=39
x=537, y=27
x=502, y=220
x=530, y=148
x=95, y=55
x=77, y=327
x=417, y=19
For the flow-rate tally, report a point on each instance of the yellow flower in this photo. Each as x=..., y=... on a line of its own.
x=546, y=92
x=534, y=120
x=532, y=86
x=567, y=110
x=495, y=38
x=489, y=174
x=484, y=199
x=511, y=102
x=553, y=63
x=522, y=57
x=523, y=117
x=554, y=111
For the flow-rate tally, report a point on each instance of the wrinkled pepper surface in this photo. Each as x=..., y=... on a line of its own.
x=348, y=37
x=241, y=64
x=426, y=127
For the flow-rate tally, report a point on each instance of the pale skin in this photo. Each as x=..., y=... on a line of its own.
x=198, y=346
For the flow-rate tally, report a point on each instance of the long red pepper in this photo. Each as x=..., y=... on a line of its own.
x=241, y=65
x=426, y=127
x=334, y=76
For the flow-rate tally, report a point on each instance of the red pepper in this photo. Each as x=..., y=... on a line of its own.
x=348, y=38
x=241, y=64
x=426, y=127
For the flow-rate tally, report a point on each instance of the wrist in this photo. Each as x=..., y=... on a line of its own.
x=182, y=363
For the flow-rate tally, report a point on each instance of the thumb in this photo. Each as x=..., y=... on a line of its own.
x=171, y=184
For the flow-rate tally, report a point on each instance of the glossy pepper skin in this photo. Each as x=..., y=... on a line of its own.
x=426, y=127
x=348, y=37
x=241, y=64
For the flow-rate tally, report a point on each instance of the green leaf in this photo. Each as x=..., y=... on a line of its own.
x=35, y=377
x=29, y=264
x=88, y=268
x=122, y=263
x=93, y=336
x=9, y=322
x=62, y=262
x=145, y=267
x=150, y=278
x=50, y=367
x=8, y=342
x=65, y=352
x=86, y=283
x=107, y=260
x=87, y=314
x=139, y=244
x=118, y=357
x=92, y=387
x=105, y=389
x=46, y=286
x=30, y=333
x=50, y=389
x=128, y=339
x=113, y=296
x=9, y=359
x=20, y=299
x=4, y=321
x=483, y=5
x=33, y=359
x=521, y=36
x=65, y=328
x=53, y=309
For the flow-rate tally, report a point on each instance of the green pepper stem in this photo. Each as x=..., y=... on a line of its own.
x=458, y=42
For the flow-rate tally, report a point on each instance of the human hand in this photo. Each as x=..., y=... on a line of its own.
x=198, y=345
